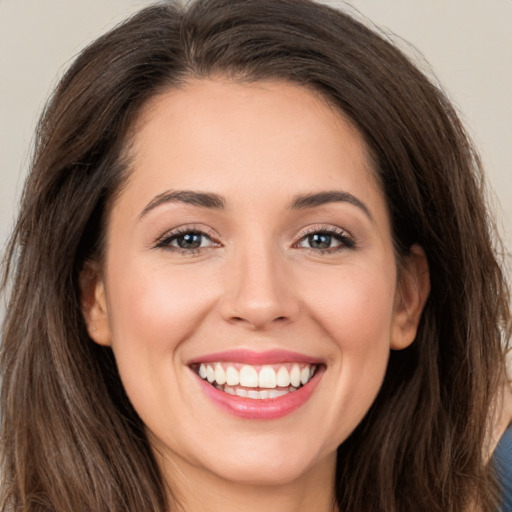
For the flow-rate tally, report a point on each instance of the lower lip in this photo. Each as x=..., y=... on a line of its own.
x=264, y=409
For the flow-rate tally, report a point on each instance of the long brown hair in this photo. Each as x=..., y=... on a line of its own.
x=71, y=439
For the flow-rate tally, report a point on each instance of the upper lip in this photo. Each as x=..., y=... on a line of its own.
x=252, y=357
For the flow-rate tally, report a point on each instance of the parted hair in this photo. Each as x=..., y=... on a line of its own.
x=70, y=439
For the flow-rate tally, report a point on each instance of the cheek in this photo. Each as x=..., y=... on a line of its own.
x=156, y=307
x=355, y=311
x=354, y=306
x=152, y=310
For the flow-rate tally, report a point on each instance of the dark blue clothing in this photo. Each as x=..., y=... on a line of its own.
x=503, y=463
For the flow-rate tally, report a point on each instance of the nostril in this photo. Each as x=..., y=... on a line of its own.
x=239, y=319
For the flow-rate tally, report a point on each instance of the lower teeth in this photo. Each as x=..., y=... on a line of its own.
x=256, y=394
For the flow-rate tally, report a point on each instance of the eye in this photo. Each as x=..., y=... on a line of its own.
x=186, y=240
x=189, y=241
x=326, y=240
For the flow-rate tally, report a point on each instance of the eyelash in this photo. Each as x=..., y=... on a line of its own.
x=166, y=240
x=346, y=241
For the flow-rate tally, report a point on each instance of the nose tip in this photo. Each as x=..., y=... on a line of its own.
x=259, y=296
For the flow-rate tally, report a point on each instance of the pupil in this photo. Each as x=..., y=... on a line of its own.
x=189, y=241
x=320, y=241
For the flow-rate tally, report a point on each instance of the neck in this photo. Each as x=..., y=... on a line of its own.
x=194, y=489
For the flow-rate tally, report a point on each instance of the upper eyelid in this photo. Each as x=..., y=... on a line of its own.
x=189, y=228
x=324, y=228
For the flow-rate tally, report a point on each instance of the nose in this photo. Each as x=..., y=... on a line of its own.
x=259, y=290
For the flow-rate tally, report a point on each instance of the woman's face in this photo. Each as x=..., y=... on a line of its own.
x=250, y=291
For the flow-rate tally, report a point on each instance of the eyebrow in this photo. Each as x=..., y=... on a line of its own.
x=203, y=199
x=304, y=201
x=215, y=201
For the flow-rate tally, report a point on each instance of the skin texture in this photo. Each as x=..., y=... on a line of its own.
x=255, y=283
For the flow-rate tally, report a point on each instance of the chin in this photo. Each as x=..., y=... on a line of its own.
x=266, y=473
x=268, y=467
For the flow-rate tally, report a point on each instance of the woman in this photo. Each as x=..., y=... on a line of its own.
x=230, y=277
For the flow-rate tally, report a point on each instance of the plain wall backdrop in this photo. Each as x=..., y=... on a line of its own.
x=467, y=43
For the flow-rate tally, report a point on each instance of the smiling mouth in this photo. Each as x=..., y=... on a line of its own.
x=258, y=382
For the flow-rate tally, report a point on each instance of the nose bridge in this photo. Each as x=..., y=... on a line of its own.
x=257, y=291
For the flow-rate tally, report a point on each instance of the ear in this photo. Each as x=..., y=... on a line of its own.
x=412, y=292
x=94, y=304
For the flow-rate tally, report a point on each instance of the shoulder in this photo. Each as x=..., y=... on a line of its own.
x=502, y=455
x=502, y=460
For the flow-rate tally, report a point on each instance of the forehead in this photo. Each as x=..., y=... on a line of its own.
x=246, y=139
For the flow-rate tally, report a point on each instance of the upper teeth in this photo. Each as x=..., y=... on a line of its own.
x=249, y=376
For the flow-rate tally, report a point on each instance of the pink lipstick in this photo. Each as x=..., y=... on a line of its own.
x=258, y=385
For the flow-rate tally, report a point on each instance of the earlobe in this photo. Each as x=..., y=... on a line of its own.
x=94, y=305
x=412, y=293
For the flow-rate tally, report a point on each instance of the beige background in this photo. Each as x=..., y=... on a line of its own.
x=467, y=42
